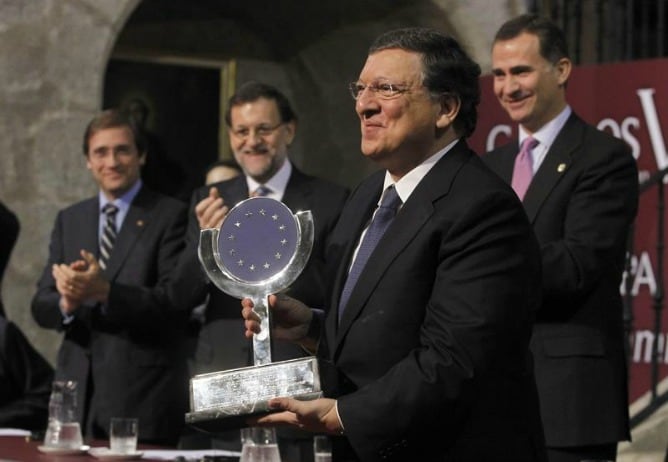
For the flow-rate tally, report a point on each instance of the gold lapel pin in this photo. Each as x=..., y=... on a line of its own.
x=561, y=168
x=140, y=223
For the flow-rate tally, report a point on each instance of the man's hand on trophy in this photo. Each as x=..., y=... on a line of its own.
x=290, y=318
x=211, y=210
x=318, y=415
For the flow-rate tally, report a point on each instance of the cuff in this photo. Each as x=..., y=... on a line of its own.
x=338, y=416
x=315, y=326
x=67, y=318
x=313, y=332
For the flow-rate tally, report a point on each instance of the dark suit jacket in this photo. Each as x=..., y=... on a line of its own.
x=581, y=203
x=431, y=358
x=25, y=381
x=9, y=232
x=128, y=355
x=221, y=344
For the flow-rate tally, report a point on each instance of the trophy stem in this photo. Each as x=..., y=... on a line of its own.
x=262, y=340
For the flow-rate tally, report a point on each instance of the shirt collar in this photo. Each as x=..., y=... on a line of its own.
x=277, y=183
x=549, y=131
x=123, y=202
x=407, y=183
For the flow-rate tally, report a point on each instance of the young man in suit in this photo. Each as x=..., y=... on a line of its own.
x=581, y=197
x=424, y=347
x=110, y=259
x=261, y=125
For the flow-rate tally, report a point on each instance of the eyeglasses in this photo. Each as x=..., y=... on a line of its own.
x=262, y=131
x=384, y=90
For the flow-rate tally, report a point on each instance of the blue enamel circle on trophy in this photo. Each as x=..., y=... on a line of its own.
x=258, y=239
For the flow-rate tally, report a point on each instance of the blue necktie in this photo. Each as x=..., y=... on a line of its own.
x=389, y=205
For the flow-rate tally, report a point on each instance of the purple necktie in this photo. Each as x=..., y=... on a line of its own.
x=387, y=209
x=523, y=170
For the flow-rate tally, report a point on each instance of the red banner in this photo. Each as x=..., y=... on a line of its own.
x=630, y=101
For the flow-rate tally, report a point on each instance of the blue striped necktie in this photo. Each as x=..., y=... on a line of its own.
x=108, y=234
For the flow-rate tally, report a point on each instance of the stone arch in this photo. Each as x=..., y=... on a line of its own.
x=53, y=56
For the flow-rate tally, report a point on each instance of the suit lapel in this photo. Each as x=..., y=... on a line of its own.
x=89, y=237
x=357, y=221
x=137, y=218
x=298, y=192
x=506, y=155
x=411, y=218
x=236, y=192
x=355, y=217
x=557, y=161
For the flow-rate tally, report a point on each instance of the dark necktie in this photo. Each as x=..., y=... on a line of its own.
x=108, y=234
x=381, y=221
x=261, y=191
x=523, y=170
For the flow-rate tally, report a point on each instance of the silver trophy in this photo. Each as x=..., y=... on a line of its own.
x=260, y=249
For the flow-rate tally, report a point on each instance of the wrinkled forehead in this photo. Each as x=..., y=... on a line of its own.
x=394, y=65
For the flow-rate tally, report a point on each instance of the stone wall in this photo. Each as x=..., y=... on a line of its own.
x=52, y=58
x=53, y=55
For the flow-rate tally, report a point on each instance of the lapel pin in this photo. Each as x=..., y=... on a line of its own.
x=561, y=168
x=140, y=223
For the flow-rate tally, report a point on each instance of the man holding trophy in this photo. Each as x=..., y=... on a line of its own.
x=423, y=351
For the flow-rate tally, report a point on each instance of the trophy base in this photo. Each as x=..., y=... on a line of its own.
x=219, y=420
x=222, y=401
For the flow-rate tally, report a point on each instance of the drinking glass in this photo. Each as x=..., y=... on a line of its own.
x=259, y=444
x=123, y=434
x=322, y=448
x=63, y=430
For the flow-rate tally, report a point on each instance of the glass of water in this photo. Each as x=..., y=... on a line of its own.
x=123, y=434
x=65, y=435
x=259, y=444
x=322, y=448
x=63, y=430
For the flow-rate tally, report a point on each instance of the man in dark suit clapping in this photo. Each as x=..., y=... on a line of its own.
x=261, y=125
x=104, y=285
